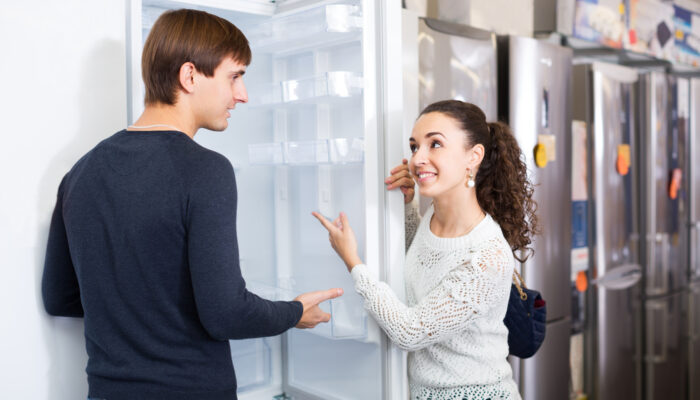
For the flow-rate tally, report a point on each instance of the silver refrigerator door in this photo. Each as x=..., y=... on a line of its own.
x=665, y=350
x=457, y=62
x=539, y=112
x=693, y=180
x=615, y=310
x=665, y=270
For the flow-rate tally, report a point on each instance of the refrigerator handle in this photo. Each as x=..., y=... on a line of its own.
x=694, y=261
x=658, y=271
x=694, y=292
x=652, y=308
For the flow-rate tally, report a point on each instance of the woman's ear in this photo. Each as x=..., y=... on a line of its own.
x=476, y=155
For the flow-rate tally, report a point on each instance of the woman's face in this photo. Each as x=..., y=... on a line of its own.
x=440, y=163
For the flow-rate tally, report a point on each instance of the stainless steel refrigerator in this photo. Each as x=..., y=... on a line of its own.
x=456, y=62
x=693, y=187
x=534, y=98
x=663, y=228
x=605, y=98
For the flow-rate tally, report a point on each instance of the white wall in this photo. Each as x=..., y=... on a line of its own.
x=63, y=89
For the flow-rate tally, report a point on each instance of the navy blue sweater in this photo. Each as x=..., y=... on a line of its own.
x=143, y=245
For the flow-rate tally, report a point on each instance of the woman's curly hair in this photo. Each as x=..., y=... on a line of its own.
x=503, y=189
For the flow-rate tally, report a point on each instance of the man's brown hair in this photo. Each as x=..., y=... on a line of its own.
x=181, y=36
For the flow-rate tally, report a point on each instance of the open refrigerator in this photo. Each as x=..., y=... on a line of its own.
x=321, y=83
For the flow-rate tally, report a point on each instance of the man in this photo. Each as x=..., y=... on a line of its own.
x=143, y=239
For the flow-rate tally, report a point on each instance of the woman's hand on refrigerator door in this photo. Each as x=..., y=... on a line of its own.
x=313, y=314
x=342, y=238
x=401, y=178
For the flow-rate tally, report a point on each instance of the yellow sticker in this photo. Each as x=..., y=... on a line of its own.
x=540, y=155
x=679, y=34
x=622, y=164
x=624, y=151
x=622, y=8
x=550, y=144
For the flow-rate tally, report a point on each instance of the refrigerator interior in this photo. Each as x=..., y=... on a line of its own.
x=534, y=97
x=298, y=146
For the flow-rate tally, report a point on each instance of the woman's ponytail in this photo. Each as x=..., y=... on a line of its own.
x=504, y=191
x=502, y=187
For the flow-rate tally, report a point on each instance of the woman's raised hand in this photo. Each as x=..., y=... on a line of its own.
x=401, y=178
x=342, y=238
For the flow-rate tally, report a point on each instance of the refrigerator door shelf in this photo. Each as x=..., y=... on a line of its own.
x=311, y=152
x=320, y=27
x=253, y=355
x=327, y=88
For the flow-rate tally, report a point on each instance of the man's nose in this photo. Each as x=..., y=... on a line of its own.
x=241, y=93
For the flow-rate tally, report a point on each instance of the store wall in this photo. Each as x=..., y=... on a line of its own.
x=63, y=90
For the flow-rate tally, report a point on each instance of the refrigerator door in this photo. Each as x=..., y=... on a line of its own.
x=534, y=97
x=694, y=341
x=535, y=79
x=457, y=62
x=605, y=98
x=308, y=140
x=665, y=270
x=693, y=179
x=546, y=374
x=665, y=374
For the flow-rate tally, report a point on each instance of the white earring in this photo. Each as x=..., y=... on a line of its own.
x=470, y=181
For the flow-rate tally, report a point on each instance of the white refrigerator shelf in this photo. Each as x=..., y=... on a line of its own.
x=316, y=28
x=327, y=87
x=348, y=317
x=310, y=152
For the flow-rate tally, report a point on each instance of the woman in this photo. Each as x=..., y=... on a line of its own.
x=459, y=265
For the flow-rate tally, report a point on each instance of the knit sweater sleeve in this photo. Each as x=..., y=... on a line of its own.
x=226, y=308
x=59, y=283
x=412, y=220
x=466, y=293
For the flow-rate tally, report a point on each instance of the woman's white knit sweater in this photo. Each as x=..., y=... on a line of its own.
x=457, y=291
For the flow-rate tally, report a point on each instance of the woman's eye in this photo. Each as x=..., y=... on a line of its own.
x=435, y=145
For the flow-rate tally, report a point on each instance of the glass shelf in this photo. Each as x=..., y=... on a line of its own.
x=348, y=317
x=310, y=152
x=327, y=25
x=324, y=88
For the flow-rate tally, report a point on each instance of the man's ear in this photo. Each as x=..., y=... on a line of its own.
x=187, y=76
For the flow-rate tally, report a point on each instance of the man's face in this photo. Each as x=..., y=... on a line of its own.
x=218, y=94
